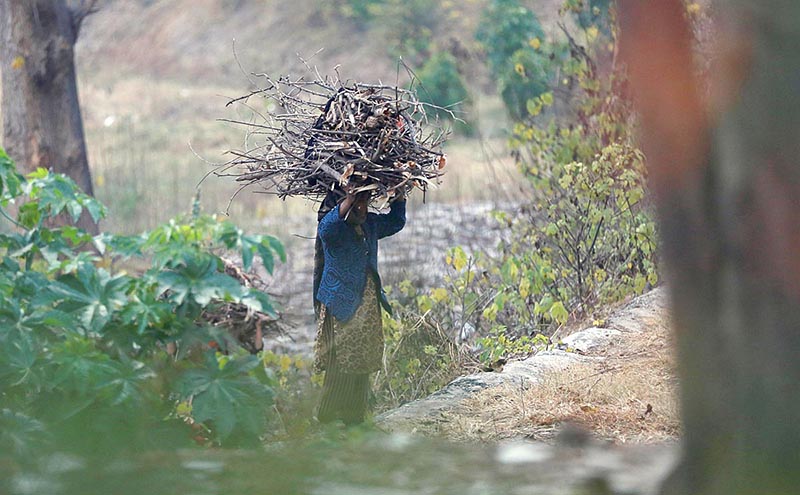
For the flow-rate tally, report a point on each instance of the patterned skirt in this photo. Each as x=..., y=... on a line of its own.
x=356, y=345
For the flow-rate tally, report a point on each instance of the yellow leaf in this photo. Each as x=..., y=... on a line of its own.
x=525, y=288
x=17, y=63
x=285, y=363
x=592, y=32
x=459, y=259
x=520, y=69
x=535, y=43
x=693, y=8
x=425, y=303
x=439, y=294
x=184, y=408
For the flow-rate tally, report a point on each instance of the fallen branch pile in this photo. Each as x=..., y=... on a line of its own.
x=247, y=326
x=322, y=135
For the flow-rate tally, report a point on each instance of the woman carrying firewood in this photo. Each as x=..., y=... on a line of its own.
x=349, y=343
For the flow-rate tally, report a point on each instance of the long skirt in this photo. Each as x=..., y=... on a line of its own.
x=348, y=352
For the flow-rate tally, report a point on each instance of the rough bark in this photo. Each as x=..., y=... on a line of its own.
x=42, y=120
x=725, y=170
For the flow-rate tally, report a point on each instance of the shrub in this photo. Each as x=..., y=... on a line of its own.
x=506, y=27
x=526, y=77
x=420, y=355
x=82, y=345
x=441, y=84
x=584, y=238
x=587, y=236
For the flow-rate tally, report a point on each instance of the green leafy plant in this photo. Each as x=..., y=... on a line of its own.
x=83, y=343
x=441, y=84
x=421, y=354
x=585, y=237
x=506, y=26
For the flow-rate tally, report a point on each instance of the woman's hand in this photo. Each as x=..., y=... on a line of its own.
x=347, y=202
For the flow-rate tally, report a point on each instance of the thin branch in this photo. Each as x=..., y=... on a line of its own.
x=80, y=12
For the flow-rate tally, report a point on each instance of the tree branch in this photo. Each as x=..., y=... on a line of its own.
x=81, y=11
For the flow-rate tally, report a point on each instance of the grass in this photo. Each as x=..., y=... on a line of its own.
x=628, y=397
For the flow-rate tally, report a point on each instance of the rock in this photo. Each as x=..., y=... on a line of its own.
x=590, y=339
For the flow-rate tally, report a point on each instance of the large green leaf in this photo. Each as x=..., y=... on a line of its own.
x=227, y=396
x=92, y=294
x=56, y=193
x=198, y=279
x=21, y=434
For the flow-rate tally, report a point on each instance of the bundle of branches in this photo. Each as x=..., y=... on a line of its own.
x=244, y=324
x=326, y=135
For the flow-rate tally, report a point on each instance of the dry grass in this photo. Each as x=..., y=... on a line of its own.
x=629, y=396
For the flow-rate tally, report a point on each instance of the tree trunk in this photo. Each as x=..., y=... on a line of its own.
x=42, y=122
x=725, y=171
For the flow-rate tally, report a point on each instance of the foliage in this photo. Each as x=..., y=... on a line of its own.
x=362, y=11
x=441, y=84
x=526, y=77
x=590, y=14
x=518, y=54
x=84, y=344
x=420, y=357
x=586, y=236
x=296, y=394
x=408, y=28
x=506, y=26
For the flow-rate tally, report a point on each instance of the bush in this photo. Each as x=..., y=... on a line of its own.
x=440, y=84
x=420, y=356
x=525, y=78
x=506, y=27
x=585, y=237
x=83, y=345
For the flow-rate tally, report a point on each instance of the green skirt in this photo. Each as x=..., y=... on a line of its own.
x=356, y=345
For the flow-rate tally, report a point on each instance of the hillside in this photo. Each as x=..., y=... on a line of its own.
x=192, y=40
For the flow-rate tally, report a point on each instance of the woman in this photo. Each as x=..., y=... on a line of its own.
x=349, y=344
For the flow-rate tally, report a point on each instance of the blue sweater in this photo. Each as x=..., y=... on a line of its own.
x=349, y=258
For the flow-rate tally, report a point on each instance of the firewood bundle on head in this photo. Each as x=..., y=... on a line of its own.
x=323, y=135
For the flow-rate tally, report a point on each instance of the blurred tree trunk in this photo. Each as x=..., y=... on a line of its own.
x=725, y=170
x=42, y=122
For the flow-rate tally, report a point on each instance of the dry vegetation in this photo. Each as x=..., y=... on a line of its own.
x=627, y=395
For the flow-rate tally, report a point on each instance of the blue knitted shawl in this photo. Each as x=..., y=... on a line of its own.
x=349, y=257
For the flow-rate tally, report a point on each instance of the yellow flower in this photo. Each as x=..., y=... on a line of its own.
x=17, y=63
x=520, y=69
x=535, y=43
